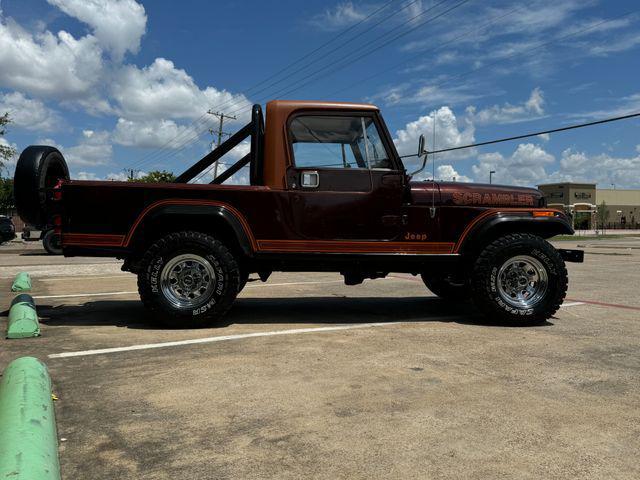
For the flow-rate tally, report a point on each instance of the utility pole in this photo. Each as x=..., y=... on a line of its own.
x=221, y=117
x=491, y=176
x=131, y=173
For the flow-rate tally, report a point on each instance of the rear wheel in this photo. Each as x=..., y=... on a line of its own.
x=519, y=278
x=188, y=279
x=51, y=243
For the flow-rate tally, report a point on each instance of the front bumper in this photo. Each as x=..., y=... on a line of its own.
x=575, y=256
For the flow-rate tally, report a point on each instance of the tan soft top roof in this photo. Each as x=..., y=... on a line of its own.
x=291, y=105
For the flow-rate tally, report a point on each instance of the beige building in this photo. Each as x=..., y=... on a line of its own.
x=583, y=201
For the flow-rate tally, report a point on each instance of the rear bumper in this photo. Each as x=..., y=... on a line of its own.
x=576, y=256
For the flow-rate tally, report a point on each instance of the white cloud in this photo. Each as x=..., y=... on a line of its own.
x=602, y=168
x=94, y=148
x=43, y=64
x=447, y=173
x=151, y=133
x=161, y=90
x=117, y=24
x=86, y=176
x=342, y=15
x=525, y=166
x=449, y=133
x=618, y=106
x=621, y=44
x=508, y=113
x=427, y=95
x=29, y=113
x=542, y=15
x=114, y=176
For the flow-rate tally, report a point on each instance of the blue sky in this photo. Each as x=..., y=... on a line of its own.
x=124, y=83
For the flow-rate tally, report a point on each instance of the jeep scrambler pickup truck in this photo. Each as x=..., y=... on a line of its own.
x=328, y=192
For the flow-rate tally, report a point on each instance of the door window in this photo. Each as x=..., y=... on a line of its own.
x=321, y=141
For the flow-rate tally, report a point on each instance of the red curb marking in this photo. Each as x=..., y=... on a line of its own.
x=602, y=304
x=588, y=302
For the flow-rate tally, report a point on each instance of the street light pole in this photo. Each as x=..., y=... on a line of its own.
x=491, y=176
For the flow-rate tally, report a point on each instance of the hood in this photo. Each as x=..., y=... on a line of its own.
x=475, y=195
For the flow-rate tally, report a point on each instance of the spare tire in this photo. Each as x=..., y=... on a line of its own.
x=39, y=167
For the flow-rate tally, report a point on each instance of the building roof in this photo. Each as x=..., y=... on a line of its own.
x=571, y=184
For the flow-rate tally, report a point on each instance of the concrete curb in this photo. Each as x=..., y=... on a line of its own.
x=28, y=436
x=22, y=283
x=23, y=318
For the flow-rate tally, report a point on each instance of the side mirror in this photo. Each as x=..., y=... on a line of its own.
x=421, y=143
x=422, y=153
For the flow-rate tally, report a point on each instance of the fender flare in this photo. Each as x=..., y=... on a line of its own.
x=185, y=209
x=489, y=225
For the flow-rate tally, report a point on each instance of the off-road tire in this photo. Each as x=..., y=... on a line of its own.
x=485, y=289
x=446, y=288
x=214, y=305
x=51, y=243
x=39, y=167
x=244, y=278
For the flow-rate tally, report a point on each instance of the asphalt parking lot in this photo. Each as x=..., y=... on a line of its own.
x=309, y=378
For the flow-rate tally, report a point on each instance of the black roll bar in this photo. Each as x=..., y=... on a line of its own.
x=255, y=129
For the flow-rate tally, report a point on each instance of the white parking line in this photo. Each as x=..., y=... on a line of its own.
x=571, y=304
x=221, y=338
x=73, y=295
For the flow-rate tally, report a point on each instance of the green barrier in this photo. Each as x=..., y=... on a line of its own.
x=28, y=437
x=23, y=318
x=22, y=283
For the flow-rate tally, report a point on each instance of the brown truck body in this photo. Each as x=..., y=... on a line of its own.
x=363, y=216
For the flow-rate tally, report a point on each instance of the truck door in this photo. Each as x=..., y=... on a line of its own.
x=345, y=181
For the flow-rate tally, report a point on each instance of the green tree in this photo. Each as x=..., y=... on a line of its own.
x=156, y=176
x=6, y=195
x=6, y=152
x=602, y=215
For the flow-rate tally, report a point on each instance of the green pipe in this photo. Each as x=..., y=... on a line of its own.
x=23, y=318
x=28, y=436
x=22, y=282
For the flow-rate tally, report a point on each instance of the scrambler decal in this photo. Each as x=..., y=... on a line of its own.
x=497, y=199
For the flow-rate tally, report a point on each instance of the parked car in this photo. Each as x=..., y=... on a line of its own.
x=7, y=229
x=50, y=239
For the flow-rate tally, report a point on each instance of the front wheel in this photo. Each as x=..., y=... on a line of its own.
x=519, y=278
x=188, y=279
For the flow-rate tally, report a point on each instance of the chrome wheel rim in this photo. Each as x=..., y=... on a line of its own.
x=522, y=281
x=187, y=281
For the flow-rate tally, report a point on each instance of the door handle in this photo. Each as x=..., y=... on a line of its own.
x=309, y=179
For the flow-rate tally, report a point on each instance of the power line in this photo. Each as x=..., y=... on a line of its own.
x=323, y=68
x=429, y=50
x=325, y=54
x=347, y=61
x=300, y=59
x=535, y=134
x=535, y=47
